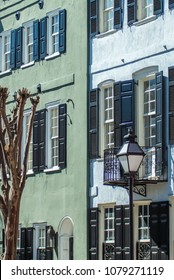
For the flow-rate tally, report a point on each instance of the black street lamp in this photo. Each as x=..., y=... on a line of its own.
x=130, y=156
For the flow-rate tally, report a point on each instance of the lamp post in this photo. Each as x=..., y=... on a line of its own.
x=130, y=156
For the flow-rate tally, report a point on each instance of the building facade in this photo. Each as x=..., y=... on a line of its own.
x=40, y=51
x=131, y=85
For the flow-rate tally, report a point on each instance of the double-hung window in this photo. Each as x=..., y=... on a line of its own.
x=108, y=117
x=39, y=241
x=143, y=222
x=109, y=224
x=53, y=32
x=145, y=9
x=108, y=15
x=28, y=42
x=53, y=136
x=5, y=44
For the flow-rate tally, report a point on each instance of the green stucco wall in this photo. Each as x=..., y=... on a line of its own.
x=50, y=197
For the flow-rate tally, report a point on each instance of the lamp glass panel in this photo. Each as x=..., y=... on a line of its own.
x=124, y=162
x=123, y=150
x=134, y=162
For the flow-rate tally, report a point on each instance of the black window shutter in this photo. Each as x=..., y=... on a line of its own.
x=43, y=37
x=158, y=7
x=171, y=104
x=131, y=11
x=94, y=123
x=159, y=230
x=29, y=243
x=36, y=143
x=13, y=50
x=36, y=40
x=62, y=135
x=159, y=124
x=118, y=14
x=71, y=242
x=93, y=233
x=19, y=47
x=62, y=31
x=21, y=251
x=122, y=232
x=117, y=112
x=171, y=4
x=39, y=141
x=126, y=107
x=42, y=133
x=94, y=10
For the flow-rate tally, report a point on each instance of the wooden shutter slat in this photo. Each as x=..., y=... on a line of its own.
x=94, y=10
x=122, y=232
x=29, y=243
x=159, y=230
x=93, y=233
x=36, y=40
x=117, y=116
x=62, y=31
x=19, y=47
x=13, y=50
x=132, y=11
x=118, y=14
x=94, y=123
x=171, y=4
x=43, y=37
x=62, y=135
x=171, y=104
x=36, y=143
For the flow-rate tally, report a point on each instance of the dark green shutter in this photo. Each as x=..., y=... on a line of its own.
x=160, y=157
x=43, y=37
x=3, y=240
x=131, y=11
x=62, y=135
x=94, y=11
x=36, y=143
x=171, y=4
x=117, y=115
x=39, y=132
x=158, y=7
x=171, y=105
x=62, y=31
x=93, y=233
x=159, y=230
x=42, y=136
x=36, y=40
x=94, y=123
x=29, y=243
x=118, y=14
x=19, y=47
x=126, y=107
x=13, y=50
x=122, y=232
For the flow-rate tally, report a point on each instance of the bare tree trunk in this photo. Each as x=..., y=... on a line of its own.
x=11, y=228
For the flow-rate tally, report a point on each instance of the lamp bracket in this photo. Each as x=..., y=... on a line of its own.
x=138, y=189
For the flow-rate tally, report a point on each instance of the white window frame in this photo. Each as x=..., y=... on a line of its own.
x=3, y=35
x=37, y=237
x=25, y=131
x=102, y=12
x=106, y=12
x=109, y=230
x=50, y=35
x=50, y=166
x=26, y=46
x=102, y=122
x=143, y=228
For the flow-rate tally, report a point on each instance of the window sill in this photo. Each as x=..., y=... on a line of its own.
x=30, y=173
x=104, y=34
x=27, y=65
x=144, y=240
x=6, y=72
x=54, y=55
x=145, y=20
x=53, y=169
